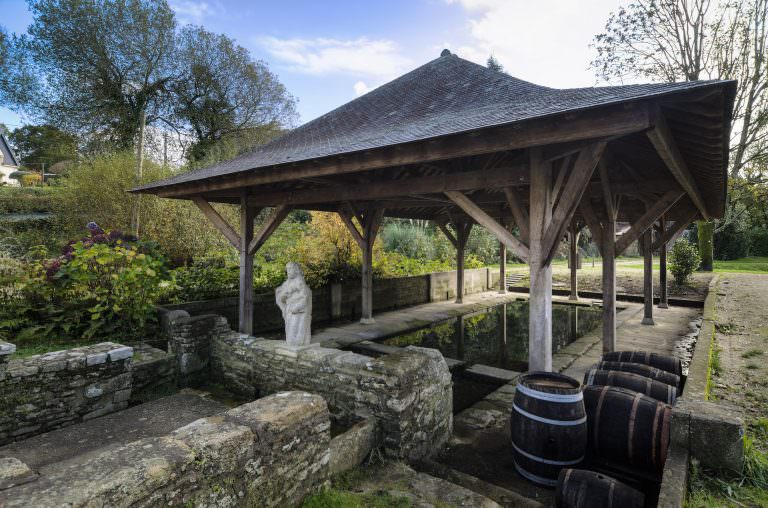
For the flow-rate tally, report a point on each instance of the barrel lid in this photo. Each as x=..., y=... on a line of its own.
x=549, y=382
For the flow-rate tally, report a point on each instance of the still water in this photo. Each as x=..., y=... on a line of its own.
x=498, y=336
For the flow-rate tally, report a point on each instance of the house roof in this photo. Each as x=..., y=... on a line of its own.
x=447, y=95
x=7, y=151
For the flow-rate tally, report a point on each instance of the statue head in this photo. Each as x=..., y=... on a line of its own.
x=294, y=270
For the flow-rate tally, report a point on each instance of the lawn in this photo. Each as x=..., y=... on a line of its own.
x=743, y=265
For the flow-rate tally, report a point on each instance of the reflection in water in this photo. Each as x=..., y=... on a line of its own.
x=499, y=336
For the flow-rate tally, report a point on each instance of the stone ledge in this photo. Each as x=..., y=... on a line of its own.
x=14, y=472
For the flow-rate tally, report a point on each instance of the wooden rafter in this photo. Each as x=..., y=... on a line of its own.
x=647, y=219
x=218, y=221
x=614, y=121
x=578, y=181
x=517, y=247
x=270, y=225
x=662, y=139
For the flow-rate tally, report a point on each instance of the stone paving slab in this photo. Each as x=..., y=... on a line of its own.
x=152, y=419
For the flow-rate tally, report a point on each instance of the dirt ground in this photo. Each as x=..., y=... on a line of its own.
x=740, y=366
x=628, y=280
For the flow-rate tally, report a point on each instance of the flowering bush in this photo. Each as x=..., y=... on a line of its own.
x=102, y=286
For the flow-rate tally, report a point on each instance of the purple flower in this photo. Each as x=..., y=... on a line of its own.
x=94, y=229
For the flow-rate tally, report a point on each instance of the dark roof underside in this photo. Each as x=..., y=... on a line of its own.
x=446, y=96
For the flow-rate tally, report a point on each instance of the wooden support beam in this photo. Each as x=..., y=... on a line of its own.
x=671, y=232
x=218, y=221
x=502, y=268
x=605, y=185
x=573, y=256
x=595, y=228
x=371, y=221
x=609, y=285
x=663, y=296
x=609, y=121
x=463, y=229
x=662, y=139
x=270, y=225
x=447, y=232
x=572, y=193
x=500, y=232
x=346, y=217
x=647, y=278
x=519, y=212
x=540, y=301
x=647, y=219
x=245, y=294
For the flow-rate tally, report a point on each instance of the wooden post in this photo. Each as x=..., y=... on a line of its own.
x=648, y=276
x=245, y=300
x=609, y=285
x=462, y=235
x=366, y=316
x=540, y=302
x=502, y=268
x=574, y=255
x=663, y=298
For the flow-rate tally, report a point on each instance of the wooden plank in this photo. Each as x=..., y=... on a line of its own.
x=218, y=221
x=671, y=232
x=500, y=232
x=245, y=292
x=607, y=121
x=540, y=301
x=662, y=139
x=270, y=225
x=572, y=194
x=519, y=212
x=647, y=219
x=469, y=180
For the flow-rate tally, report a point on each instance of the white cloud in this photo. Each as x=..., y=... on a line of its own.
x=361, y=88
x=545, y=42
x=380, y=59
x=190, y=11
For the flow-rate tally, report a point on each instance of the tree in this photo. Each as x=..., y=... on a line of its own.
x=98, y=64
x=674, y=40
x=223, y=93
x=41, y=146
x=494, y=64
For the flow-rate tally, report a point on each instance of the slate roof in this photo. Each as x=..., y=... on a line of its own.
x=447, y=95
x=9, y=158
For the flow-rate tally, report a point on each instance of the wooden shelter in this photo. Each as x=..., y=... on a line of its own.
x=462, y=145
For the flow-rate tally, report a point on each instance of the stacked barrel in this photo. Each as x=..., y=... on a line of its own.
x=618, y=422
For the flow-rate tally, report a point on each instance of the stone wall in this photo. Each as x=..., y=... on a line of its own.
x=270, y=452
x=44, y=392
x=189, y=340
x=408, y=393
x=343, y=301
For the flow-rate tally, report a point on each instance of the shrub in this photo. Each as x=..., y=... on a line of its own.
x=683, y=261
x=30, y=180
x=205, y=279
x=103, y=286
x=409, y=240
x=758, y=245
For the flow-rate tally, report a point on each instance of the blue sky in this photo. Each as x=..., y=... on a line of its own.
x=328, y=52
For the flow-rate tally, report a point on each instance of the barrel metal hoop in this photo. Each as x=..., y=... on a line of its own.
x=546, y=461
x=550, y=397
x=560, y=423
x=534, y=478
x=591, y=378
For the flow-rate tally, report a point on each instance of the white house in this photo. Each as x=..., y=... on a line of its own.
x=8, y=162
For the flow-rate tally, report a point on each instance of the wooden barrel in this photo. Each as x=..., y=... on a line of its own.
x=627, y=427
x=645, y=385
x=642, y=370
x=578, y=488
x=664, y=362
x=548, y=426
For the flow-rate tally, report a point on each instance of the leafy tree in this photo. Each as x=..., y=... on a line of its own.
x=98, y=64
x=224, y=94
x=41, y=146
x=669, y=40
x=683, y=261
x=494, y=64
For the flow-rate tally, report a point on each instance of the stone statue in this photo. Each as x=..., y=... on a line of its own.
x=295, y=301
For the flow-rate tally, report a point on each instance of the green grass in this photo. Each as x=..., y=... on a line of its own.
x=333, y=498
x=752, y=353
x=743, y=265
